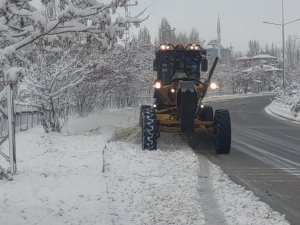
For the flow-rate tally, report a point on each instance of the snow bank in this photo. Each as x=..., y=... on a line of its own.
x=214, y=98
x=282, y=111
x=106, y=121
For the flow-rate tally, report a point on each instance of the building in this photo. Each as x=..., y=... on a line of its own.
x=263, y=69
x=215, y=48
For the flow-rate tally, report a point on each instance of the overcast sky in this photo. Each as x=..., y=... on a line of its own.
x=241, y=20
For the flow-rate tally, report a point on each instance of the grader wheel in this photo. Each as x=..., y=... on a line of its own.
x=222, y=131
x=149, y=129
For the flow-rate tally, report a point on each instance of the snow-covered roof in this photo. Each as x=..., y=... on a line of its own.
x=266, y=68
x=263, y=56
x=243, y=58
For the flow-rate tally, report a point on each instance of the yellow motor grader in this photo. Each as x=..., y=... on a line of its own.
x=178, y=94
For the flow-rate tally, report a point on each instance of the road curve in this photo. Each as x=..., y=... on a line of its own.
x=265, y=155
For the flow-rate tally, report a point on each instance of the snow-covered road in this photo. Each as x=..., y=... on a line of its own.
x=62, y=180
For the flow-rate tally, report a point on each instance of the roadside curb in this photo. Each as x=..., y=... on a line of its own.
x=282, y=114
x=222, y=98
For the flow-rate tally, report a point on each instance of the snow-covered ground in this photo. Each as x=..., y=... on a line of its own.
x=282, y=111
x=96, y=173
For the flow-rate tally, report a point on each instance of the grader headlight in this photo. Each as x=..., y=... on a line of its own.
x=194, y=47
x=164, y=47
x=157, y=85
x=213, y=85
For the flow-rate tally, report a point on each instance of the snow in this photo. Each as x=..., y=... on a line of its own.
x=214, y=97
x=2, y=4
x=243, y=58
x=266, y=68
x=13, y=73
x=96, y=173
x=282, y=111
x=235, y=200
x=8, y=50
x=263, y=56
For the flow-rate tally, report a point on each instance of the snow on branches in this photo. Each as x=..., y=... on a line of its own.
x=22, y=26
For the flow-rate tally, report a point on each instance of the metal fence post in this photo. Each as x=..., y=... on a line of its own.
x=31, y=116
x=11, y=131
x=110, y=101
x=27, y=117
x=2, y=125
x=141, y=100
x=20, y=118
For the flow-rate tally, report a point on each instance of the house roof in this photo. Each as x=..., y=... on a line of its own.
x=243, y=58
x=263, y=56
x=265, y=68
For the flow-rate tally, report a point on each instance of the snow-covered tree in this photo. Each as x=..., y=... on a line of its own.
x=144, y=36
x=254, y=48
x=35, y=40
x=22, y=26
x=166, y=33
x=292, y=53
x=51, y=79
x=130, y=70
x=194, y=36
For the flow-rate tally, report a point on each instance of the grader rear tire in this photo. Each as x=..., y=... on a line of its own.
x=149, y=130
x=222, y=131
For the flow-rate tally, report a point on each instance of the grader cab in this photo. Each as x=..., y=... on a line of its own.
x=179, y=91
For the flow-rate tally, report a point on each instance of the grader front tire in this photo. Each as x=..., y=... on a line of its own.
x=149, y=129
x=222, y=131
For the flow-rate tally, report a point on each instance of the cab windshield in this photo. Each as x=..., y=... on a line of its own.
x=180, y=66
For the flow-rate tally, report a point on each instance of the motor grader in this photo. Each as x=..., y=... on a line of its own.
x=179, y=91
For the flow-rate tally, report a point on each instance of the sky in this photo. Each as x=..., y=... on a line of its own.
x=241, y=20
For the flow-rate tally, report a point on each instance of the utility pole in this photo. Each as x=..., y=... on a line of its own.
x=127, y=26
x=283, y=24
x=298, y=75
x=283, y=49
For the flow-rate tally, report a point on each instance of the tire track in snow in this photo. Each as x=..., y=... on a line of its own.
x=212, y=212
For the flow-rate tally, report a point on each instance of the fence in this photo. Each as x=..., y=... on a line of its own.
x=118, y=101
x=26, y=116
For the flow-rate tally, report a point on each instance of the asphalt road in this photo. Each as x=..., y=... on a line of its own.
x=265, y=155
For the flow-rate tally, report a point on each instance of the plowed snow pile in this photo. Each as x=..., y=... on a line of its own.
x=96, y=173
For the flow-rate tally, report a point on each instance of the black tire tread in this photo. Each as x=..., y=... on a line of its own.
x=222, y=130
x=149, y=130
x=142, y=107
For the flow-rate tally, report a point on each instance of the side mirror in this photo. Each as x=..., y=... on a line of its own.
x=204, y=65
x=155, y=62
